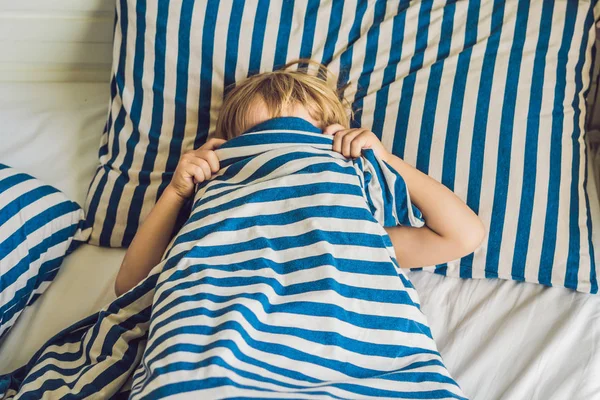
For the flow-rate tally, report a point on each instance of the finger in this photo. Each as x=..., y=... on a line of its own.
x=212, y=144
x=338, y=138
x=213, y=161
x=210, y=156
x=347, y=142
x=332, y=129
x=203, y=162
x=196, y=173
x=205, y=169
x=187, y=156
x=358, y=145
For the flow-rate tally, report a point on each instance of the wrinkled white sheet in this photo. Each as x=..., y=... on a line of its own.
x=509, y=340
x=499, y=339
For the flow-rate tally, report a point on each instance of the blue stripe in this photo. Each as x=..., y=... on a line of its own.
x=103, y=150
x=13, y=180
x=111, y=374
x=353, y=36
x=481, y=118
x=289, y=124
x=308, y=33
x=335, y=238
x=31, y=225
x=574, y=259
x=283, y=35
x=23, y=265
x=408, y=84
x=93, y=332
x=405, y=376
x=233, y=41
x=73, y=336
x=531, y=145
x=503, y=162
x=206, y=71
x=300, y=307
x=353, y=371
x=110, y=340
x=122, y=180
x=321, y=337
x=181, y=85
x=18, y=376
x=258, y=36
x=293, y=139
x=555, y=166
x=346, y=265
x=457, y=100
x=433, y=89
x=321, y=161
x=455, y=115
x=274, y=194
x=389, y=73
x=139, y=194
x=92, y=209
x=209, y=383
x=231, y=346
x=333, y=30
x=154, y=133
x=15, y=206
x=312, y=169
x=233, y=224
x=73, y=333
x=118, y=123
x=383, y=192
x=402, y=207
x=369, y=62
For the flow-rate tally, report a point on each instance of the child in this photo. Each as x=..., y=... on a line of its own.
x=451, y=231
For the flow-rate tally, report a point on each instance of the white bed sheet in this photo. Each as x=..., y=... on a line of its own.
x=500, y=339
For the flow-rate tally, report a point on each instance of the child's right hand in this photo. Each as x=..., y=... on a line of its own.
x=194, y=167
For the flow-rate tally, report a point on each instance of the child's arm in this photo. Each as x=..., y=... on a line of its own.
x=152, y=239
x=452, y=230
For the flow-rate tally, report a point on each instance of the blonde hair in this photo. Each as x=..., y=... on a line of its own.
x=279, y=90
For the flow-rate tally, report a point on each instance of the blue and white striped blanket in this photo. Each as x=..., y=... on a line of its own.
x=282, y=284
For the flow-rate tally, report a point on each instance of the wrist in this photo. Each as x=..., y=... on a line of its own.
x=385, y=155
x=172, y=195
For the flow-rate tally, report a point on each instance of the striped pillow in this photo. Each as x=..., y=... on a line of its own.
x=38, y=227
x=485, y=96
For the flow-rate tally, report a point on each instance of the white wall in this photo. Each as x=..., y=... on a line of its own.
x=56, y=40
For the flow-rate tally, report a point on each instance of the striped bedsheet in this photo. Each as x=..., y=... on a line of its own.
x=282, y=284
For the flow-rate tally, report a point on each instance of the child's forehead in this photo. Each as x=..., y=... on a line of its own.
x=258, y=111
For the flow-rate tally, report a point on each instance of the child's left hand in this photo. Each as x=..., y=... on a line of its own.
x=351, y=142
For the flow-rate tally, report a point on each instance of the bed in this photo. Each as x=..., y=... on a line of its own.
x=500, y=339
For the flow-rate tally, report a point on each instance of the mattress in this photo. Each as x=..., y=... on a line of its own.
x=499, y=339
